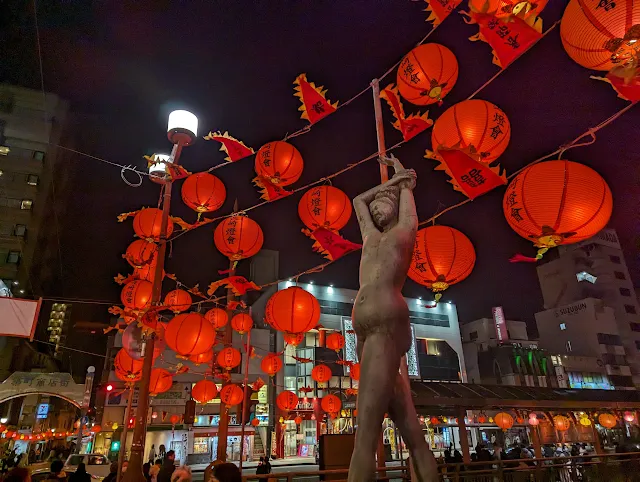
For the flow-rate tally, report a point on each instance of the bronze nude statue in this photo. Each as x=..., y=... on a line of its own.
x=388, y=223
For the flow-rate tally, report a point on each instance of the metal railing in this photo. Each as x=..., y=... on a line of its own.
x=583, y=468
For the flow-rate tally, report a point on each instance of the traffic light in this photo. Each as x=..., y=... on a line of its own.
x=131, y=423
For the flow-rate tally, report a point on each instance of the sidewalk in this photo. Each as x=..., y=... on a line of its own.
x=286, y=462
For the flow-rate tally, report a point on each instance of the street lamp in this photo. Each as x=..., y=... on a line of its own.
x=182, y=130
x=158, y=171
x=4, y=420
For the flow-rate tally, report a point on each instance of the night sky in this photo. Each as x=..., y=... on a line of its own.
x=123, y=68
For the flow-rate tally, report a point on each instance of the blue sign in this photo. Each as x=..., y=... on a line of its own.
x=43, y=410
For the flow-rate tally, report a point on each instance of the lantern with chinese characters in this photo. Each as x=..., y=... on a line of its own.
x=231, y=395
x=229, y=358
x=127, y=369
x=503, y=420
x=293, y=338
x=238, y=237
x=203, y=192
x=140, y=253
x=255, y=422
x=601, y=34
x=561, y=423
x=242, y=323
x=201, y=358
x=331, y=404
x=136, y=295
x=204, y=391
x=174, y=419
x=161, y=381
x=321, y=373
x=335, y=341
x=279, y=162
x=607, y=420
x=146, y=224
x=178, y=301
x=354, y=371
x=217, y=317
x=475, y=124
x=629, y=417
x=557, y=202
x=287, y=401
x=427, y=74
x=325, y=207
x=271, y=364
x=189, y=334
x=442, y=256
x=292, y=310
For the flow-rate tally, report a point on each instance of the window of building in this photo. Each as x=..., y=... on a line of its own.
x=584, y=276
x=563, y=326
x=619, y=275
x=26, y=204
x=609, y=339
x=635, y=326
x=625, y=291
x=13, y=257
x=568, y=346
x=32, y=179
x=20, y=230
x=38, y=155
x=615, y=259
x=473, y=335
x=630, y=309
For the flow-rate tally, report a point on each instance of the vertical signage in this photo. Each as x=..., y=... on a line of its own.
x=500, y=324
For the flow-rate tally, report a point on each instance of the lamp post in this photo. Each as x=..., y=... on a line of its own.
x=182, y=131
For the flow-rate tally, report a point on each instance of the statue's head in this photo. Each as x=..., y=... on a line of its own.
x=384, y=207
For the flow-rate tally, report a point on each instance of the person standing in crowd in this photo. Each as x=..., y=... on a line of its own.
x=57, y=474
x=18, y=474
x=145, y=471
x=168, y=467
x=155, y=470
x=152, y=454
x=113, y=473
x=182, y=474
x=227, y=472
x=80, y=475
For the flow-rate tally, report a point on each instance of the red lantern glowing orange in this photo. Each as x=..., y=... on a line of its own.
x=161, y=381
x=231, y=395
x=599, y=37
x=242, y=323
x=94, y=429
x=280, y=162
x=629, y=417
x=557, y=202
x=427, y=74
x=178, y=301
x=204, y=391
x=533, y=420
x=229, y=358
x=189, y=334
x=136, y=295
x=175, y=419
x=561, y=423
x=442, y=256
x=255, y=422
x=293, y=338
x=271, y=364
x=203, y=192
x=475, y=124
x=292, y=310
x=217, y=317
x=146, y=224
x=321, y=373
x=607, y=420
x=127, y=369
x=335, y=341
x=503, y=420
x=238, y=237
x=298, y=420
x=287, y=401
x=325, y=207
x=354, y=372
x=201, y=358
x=331, y=404
x=140, y=253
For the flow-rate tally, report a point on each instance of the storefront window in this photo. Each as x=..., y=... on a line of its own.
x=201, y=445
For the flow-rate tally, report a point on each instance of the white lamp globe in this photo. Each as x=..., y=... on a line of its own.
x=182, y=128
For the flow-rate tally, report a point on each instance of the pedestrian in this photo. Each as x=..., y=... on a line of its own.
x=145, y=471
x=113, y=473
x=267, y=464
x=57, y=474
x=182, y=474
x=18, y=474
x=152, y=454
x=155, y=470
x=227, y=473
x=168, y=467
x=80, y=475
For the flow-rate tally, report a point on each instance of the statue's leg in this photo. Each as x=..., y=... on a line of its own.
x=403, y=414
x=379, y=366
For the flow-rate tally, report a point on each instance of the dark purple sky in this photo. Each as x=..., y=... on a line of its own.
x=233, y=64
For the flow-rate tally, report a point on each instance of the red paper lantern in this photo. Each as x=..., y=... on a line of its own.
x=201, y=358
x=561, y=423
x=147, y=223
x=242, y=323
x=280, y=162
x=503, y=420
x=298, y=420
x=427, y=74
x=255, y=422
x=161, y=381
x=434, y=420
x=629, y=417
x=475, y=124
x=178, y=301
x=354, y=372
x=271, y=364
x=140, y=253
x=292, y=310
x=96, y=429
x=335, y=341
x=238, y=237
x=321, y=373
x=607, y=420
x=217, y=317
x=174, y=419
x=229, y=358
x=325, y=207
x=293, y=338
x=203, y=192
x=442, y=256
x=287, y=401
x=127, y=369
x=600, y=35
x=204, y=391
x=190, y=334
x=482, y=419
x=331, y=404
x=231, y=395
x=136, y=295
x=533, y=420
x=557, y=202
